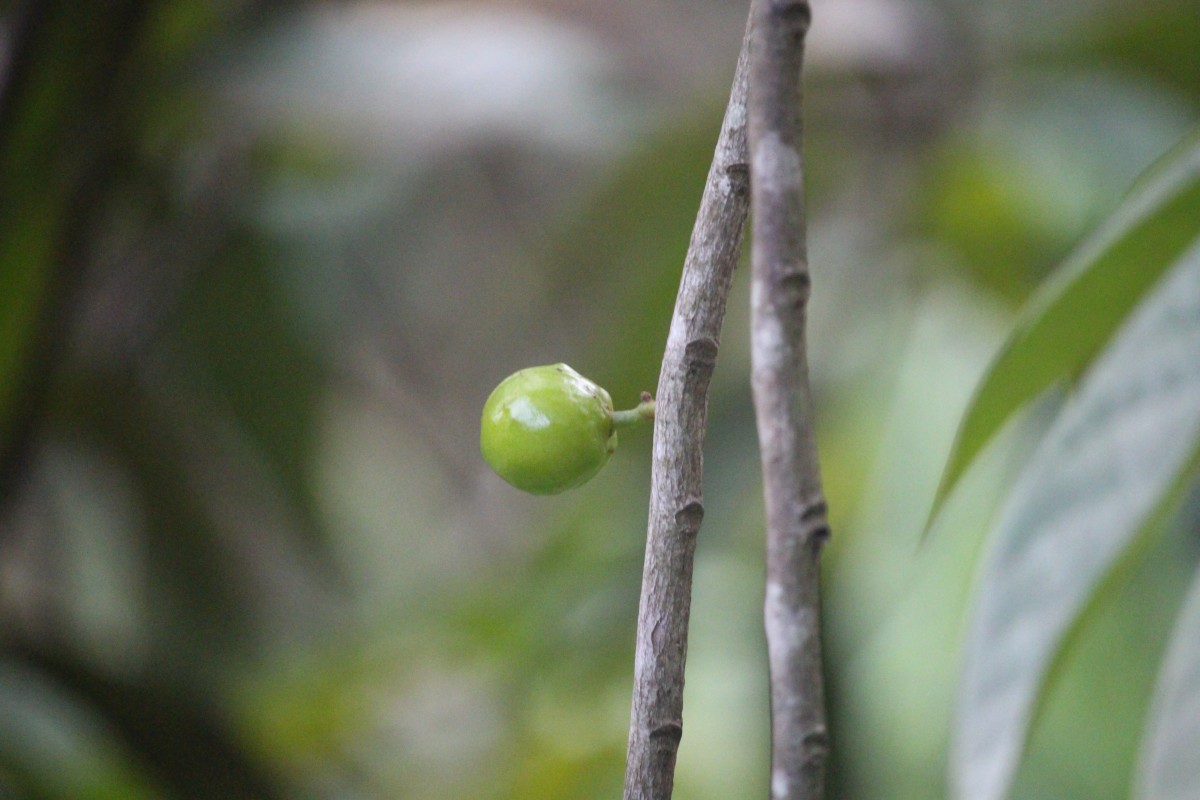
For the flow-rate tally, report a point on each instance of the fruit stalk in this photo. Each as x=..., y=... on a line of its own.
x=643, y=412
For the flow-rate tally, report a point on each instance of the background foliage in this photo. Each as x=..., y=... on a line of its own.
x=261, y=264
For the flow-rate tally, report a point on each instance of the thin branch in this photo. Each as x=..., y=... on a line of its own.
x=676, y=496
x=797, y=523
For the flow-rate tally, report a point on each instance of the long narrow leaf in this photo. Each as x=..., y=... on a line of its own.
x=1169, y=767
x=1106, y=464
x=1077, y=311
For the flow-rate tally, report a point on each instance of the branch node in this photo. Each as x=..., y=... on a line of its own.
x=688, y=518
x=672, y=731
x=739, y=178
x=796, y=286
x=815, y=745
x=816, y=510
x=814, y=523
x=701, y=354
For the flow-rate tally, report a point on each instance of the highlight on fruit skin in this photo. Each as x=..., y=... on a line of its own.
x=548, y=429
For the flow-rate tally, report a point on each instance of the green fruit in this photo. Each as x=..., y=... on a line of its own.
x=547, y=429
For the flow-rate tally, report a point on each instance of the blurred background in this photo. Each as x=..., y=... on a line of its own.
x=262, y=264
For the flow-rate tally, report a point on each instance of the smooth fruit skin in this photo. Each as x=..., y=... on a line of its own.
x=547, y=429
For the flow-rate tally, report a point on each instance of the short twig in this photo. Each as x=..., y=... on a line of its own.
x=676, y=496
x=797, y=522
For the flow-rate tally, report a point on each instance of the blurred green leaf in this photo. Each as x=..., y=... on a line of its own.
x=58, y=127
x=239, y=334
x=1110, y=460
x=51, y=747
x=181, y=741
x=1067, y=323
x=1168, y=768
x=1163, y=44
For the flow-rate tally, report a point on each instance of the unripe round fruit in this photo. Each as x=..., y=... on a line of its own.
x=547, y=429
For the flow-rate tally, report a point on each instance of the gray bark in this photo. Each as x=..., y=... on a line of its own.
x=796, y=518
x=677, y=494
